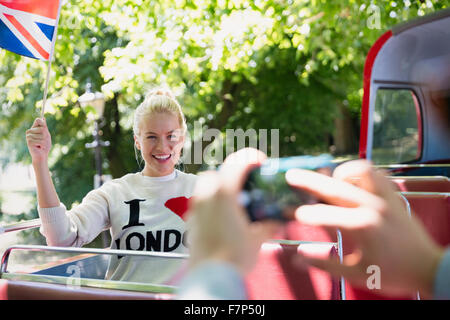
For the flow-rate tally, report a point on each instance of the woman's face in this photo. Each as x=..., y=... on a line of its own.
x=160, y=141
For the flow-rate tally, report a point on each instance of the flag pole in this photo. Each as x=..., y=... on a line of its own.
x=46, y=85
x=49, y=66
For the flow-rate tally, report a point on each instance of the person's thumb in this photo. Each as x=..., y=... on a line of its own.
x=39, y=122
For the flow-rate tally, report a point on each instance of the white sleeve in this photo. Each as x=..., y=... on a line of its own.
x=78, y=226
x=212, y=280
x=442, y=278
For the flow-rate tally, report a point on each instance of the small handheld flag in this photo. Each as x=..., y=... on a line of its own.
x=28, y=28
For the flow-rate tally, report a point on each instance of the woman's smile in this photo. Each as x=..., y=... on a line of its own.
x=162, y=158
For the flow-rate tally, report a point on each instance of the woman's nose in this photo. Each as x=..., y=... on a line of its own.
x=163, y=145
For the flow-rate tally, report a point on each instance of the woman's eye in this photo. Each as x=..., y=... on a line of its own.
x=151, y=137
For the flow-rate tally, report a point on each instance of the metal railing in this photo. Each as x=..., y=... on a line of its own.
x=105, y=284
x=30, y=224
x=7, y=253
x=424, y=193
x=408, y=209
x=415, y=165
x=341, y=261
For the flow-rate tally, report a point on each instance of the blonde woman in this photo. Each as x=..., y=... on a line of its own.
x=143, y=211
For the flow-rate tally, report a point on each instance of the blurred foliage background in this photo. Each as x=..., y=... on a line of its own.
x=294, y=65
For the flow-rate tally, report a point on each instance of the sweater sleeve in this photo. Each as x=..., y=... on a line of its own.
x=212, y=281
x=78, y=226
x=442, y=279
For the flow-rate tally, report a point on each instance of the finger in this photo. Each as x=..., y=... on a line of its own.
x=206, y=187
x=332, y=266
x=32, y=135
x=237, y=166
x=39, y=122
x=263, y=230
x=37, y=130
x=337, y=217
x=208, y=183
x=35, y=137
x=385, y=187
x=331, y=190
x=362, y=174
x=35, y=141
x=358, y=173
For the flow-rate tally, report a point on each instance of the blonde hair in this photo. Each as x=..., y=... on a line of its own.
x=158, y=101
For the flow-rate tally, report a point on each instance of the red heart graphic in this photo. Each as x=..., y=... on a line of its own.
x=178, y=205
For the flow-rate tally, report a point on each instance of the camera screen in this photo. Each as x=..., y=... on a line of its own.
x=266, y=194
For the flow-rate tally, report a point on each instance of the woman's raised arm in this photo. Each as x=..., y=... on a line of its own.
x=39, y=142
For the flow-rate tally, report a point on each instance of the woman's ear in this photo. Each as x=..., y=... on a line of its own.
x=136, y=142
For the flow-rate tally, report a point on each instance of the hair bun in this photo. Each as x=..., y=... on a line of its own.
x=160, y=92
x=158, y=100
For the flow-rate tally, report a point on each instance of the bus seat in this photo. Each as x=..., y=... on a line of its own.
x=3, y=289
x=276, y=277
x=422, y=184
x=354, y=293
x=433, y=210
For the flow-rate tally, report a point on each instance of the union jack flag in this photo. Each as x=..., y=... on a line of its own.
x=27, y=26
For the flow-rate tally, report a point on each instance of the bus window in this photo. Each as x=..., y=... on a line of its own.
x=396, y=127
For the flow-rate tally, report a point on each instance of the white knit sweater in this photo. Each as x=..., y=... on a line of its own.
x=142, y=213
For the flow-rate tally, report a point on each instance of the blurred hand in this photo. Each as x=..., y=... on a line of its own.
x=374, y=222
x=218, y=225
x=39, y=141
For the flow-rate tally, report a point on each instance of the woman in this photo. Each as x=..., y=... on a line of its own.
x=144, y=210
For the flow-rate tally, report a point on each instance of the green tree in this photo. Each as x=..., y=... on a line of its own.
x=295, y=65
